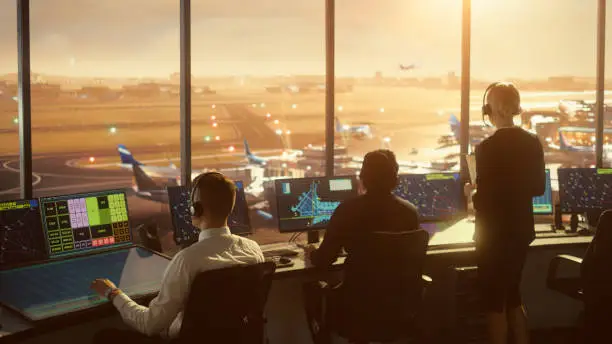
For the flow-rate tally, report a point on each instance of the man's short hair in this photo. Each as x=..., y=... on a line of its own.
x=217, y=194
x=379, y=171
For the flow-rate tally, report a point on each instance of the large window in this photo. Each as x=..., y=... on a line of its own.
x=260, y=66
x=550, y=55
x=398, y=86
x=101, y=78
x=9, y=133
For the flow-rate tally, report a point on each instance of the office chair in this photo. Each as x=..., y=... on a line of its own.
x=227, y=305
x=381, y=295
x=594, y=287
x=594, y=267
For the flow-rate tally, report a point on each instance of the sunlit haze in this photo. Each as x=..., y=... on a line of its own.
x=520, y=38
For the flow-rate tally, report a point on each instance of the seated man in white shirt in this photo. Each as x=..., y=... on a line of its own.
x=213, y=198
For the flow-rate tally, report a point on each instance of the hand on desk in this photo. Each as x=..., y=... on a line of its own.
x=102, y=285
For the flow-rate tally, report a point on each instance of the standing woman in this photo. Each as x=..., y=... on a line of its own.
x=510, y=172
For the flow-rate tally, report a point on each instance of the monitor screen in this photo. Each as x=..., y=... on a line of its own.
x=542, y=205
x=308, y=203
x=80, y=223
x=437, y=196
x=21, y=233
x=135, y=270
x=185, y=233
x=584, y=189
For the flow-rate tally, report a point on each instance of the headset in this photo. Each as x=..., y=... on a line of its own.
x=197, y=208
x=486, y=107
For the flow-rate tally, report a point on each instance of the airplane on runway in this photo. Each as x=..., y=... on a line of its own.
x=407, y=67
x=577, y=144
x=253, y=159
x=478, y=132
x=358, y=131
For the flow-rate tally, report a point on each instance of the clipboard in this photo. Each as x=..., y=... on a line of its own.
x=470, y=160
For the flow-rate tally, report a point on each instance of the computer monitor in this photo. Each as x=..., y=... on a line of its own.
x=79, y=223
x=185, y=233
x=543, y=205
x=21, y=233
x=308, y=203
x=437, y=196
x=584, y=189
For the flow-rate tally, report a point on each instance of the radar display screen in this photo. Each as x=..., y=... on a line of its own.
x=584, y=189
x=21, y=234
x=308, y=203
x=542, y=205
x=79, y=223
x=185, y=233
x=437, y=196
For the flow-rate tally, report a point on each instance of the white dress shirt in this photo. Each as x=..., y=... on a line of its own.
x=216, y=248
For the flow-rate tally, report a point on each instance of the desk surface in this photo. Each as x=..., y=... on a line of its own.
x=445, y=239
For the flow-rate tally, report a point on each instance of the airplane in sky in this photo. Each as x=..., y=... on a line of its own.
x=407, y=67
x=358, y=131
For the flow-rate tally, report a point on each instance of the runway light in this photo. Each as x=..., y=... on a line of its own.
x=92, y=159
x=112, y=130
x=215, y=125
x=284, y=165
x=15, y=120
x=213, y=117
x=254, y=105
x=207, y=138
x=214, y=106
x=308, y=168
x=284, y=154
x=288, y=132
x=276, y=121
x=387, y=139
x=340, y=108
x=382, y=110
x=268, y=115
x=217, y=138
x=294, y=106
x=231, y=148
x=593, y=139
x=279, y=132
x=262, y=105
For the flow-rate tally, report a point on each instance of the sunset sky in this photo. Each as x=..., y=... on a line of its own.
x=511, y=38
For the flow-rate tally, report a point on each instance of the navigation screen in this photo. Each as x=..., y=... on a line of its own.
x=437, y=196
x=185, y=233
x=542, y=205
x=55, y=288
x=583, y=189
x=21, y=234
x=82, y=222
x=308, y=203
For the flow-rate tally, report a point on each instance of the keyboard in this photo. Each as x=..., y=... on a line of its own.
x=281, y=252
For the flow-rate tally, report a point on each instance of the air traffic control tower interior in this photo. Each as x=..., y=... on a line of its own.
x=108, y=114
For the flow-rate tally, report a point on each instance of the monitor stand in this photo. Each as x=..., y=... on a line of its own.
x=313, y=237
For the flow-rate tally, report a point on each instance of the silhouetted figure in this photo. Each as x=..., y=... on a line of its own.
x=510, y=172
x=375, y=211
x=597, y=281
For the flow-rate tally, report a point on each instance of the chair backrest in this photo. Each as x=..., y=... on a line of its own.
x=596, y=276
x=383, y=286
x=227, y=305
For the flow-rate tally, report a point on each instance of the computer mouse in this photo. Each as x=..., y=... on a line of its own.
x=284, y=260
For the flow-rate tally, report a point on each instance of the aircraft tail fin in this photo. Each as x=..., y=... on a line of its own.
x=563, y=145
x=126, y=156
x=247, y=149
x=143, y=181
x=455, y=126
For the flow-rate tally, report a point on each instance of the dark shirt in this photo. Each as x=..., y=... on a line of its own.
x=361, y=215
x=510, y=172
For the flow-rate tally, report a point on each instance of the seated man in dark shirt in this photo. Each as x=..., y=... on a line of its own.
x=376, y=210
